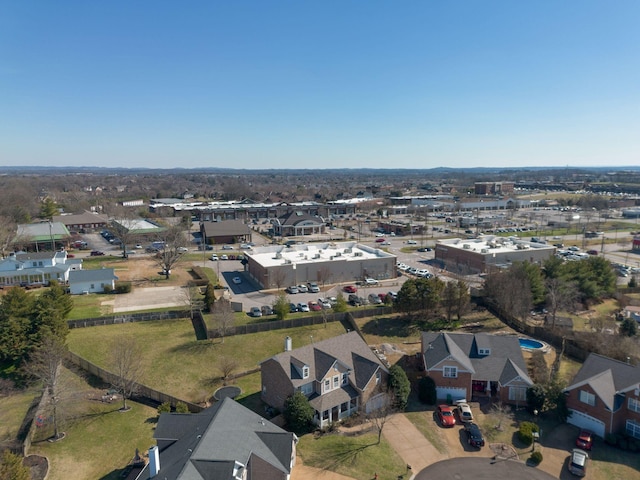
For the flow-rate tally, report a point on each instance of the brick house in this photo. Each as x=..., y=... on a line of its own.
x=465, y=365
x=340, y=376
x=604, y=397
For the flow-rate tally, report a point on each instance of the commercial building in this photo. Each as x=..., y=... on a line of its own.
x=277, y=266
x=494, y=188
x=478, y=255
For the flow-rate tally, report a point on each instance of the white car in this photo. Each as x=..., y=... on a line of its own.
x=227, y=247
x=411, y=242
x=302, y=288
x=237, y=280
x=182, y=249
x=464, y=411
x=214, y=257
x=313, y=287
x=370, y=281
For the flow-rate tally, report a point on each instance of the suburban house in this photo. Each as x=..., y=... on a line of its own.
x=29, y=268
x=467, y=365
x=604, y=397
x=340, y=376
x=224, y=442
x=91, y=281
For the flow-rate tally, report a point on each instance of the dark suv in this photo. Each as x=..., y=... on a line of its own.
x=474, y=435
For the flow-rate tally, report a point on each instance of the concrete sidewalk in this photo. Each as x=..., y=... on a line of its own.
x=410, y=444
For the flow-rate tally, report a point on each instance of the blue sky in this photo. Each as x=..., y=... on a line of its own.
x=320, y=84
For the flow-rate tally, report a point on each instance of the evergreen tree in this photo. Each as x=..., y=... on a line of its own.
x=298, y=413
x=400, y=386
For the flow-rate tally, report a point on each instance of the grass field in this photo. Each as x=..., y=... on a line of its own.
x=177, y=364
x=13, y=409
x=358, y=457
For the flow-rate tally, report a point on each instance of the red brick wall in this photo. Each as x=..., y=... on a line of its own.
x=597, y=411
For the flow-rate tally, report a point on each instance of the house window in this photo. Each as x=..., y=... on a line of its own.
x=450, y=372
x=307, y=389
x=325, y=415
x=634, y=405
x=345, y=378
x=588, y=398
x=378, y=378
x=484, y=351
x=633, y=429
x=305, y=372
x=517, y=394
x=92, y=286
x=336, y=381
x=327, y=385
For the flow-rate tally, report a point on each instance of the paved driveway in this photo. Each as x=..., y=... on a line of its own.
x=471, y=468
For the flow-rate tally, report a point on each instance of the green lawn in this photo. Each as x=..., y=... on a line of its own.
x=13, y=409
x=358, y=457
x=177, y=364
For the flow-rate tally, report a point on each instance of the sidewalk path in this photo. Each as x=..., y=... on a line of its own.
x=409, y=443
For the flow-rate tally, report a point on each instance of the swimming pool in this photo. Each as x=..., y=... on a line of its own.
x=530, y=344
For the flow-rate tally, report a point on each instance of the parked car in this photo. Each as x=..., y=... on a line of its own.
x=96, y=253
x=350, y=289
x=266, y=310
x=592, y=252
x=293, y=308
x=411, y=242
x=354, y=300
x=224, y=257
x=313, y=287
x=182, y=249
x=227, y=247
x=314, y=306
x=585, y=440
x=474, y=435
x=380, y=240
x=303, y=307
x=464, y=412
x=214, y=257
x=292, y=289
x=393, y=295
x=374, y=299
x=445, y=416
x=370, y=281
x=302, y=288
x=245, y=246
x=255, y=312
x=237, y=280
x=324, y=303
x=578, y=462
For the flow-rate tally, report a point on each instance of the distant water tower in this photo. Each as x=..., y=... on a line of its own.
x=287, y=344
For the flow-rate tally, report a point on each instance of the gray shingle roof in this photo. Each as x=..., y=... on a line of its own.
x=505, y=361
x=97, y=275
x=206, y=445
x=225, y=228
x=349, y=349
x=606, y=377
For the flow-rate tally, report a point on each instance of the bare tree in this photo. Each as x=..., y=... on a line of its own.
x=8, y=230
x=380, y=416
x=226, y=365
x=46, y=365
x=174, y=245
x=126, y=366
x=123, y=224
x=278, y=277
x=223, y=316
x=502, y=414
x=324, y=275
x=561, y=294
x=193, y=299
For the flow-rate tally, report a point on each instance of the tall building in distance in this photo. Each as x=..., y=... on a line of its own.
x=494, y=188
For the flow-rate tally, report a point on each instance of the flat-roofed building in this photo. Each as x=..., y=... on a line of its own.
x=277, y=266
x=494, y=188
x=478, y=255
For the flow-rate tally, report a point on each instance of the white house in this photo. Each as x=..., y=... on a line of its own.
x=91, y=281
x=27, y=268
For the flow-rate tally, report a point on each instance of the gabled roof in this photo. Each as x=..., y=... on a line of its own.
x=207, y=445
x=81, y=218
x=505, y=362
x=348, y=349
x=97, y=275
x=607, y=377
x=296, y=217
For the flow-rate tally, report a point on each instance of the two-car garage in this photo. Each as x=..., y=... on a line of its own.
x=451, y=393
x=582, y=420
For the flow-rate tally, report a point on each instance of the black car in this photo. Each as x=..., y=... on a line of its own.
x=474, y=435
x=355, y=300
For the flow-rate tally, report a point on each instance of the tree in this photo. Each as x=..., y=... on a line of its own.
x=209, y=297
x=561, y=294
x=281, y=306
x=8, y=228
x=45, y=365
x=298, y=413
x=502, y=414
x=536, y=397
x=628, y=327
x=164, y=407
x=126, y=364
x=324, y=274
x=51, y=310
x=172, y=252
x=123, y=224
x=399, y=386
x=226, y=365
x=379, y=417
x=341, y=304
x=455, y=299
x=182, y=407
x=193, y=298
x=48, y=209
x=12, y=468
x=278, y=277
x=15, y=329
x=223, y=317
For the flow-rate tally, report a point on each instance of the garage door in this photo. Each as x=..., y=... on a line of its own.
x=582, y=420
x=453, y=393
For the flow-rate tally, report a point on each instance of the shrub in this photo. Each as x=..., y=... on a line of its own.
x=427, y=391
x=108, y=289
x=123, y=287
x=399, y=385
x=298, y=413
x=164, y=408
x=525, y=433
x=181, y=407
x=536, y=457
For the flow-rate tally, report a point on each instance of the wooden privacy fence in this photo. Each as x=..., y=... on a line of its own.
x=128, y=318
x=142, y=391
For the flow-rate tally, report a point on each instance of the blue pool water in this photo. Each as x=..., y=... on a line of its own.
x=530, y=344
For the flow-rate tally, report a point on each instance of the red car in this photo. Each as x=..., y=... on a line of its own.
x=584, y=440
x=445, y=416
x=314, y=306
x=380, y=240
x=350, y=289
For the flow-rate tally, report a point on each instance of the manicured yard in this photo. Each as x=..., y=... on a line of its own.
x=358, y=457
x=177, y=364
x=13, y=409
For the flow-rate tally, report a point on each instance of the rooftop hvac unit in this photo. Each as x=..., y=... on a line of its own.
x=338, y=254
x=331, y=257
x=287, y=261
x=317, y=255
x=347, y=250
x=466, y=246
x=484, y=250
x=278, y=256
x=357, y=254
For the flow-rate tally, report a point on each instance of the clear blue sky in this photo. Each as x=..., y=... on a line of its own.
x=320, y=83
